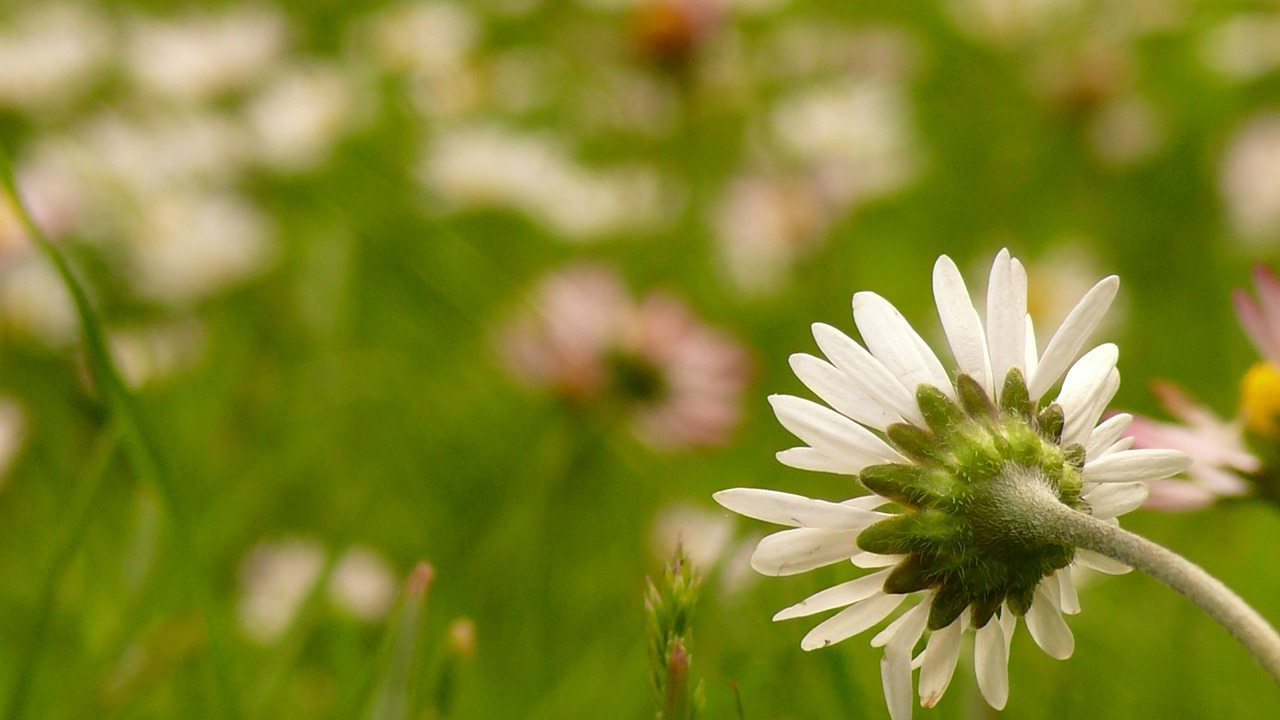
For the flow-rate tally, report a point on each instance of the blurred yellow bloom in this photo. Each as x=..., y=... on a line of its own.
x=1260, y=398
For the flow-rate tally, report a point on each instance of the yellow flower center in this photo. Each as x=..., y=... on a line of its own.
x=1260, y=399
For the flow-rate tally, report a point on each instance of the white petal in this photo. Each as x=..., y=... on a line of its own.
x=961, y=323
x=796, y=551
x=851, y=621
x=1071, y=335
x=1032, y=358
x=911, y=622
x=1008, y=624
x=1101, y=563
x=807, y=458
x=1067, y=596
x=895, y=666
x=1145, y=464
x=794, y=510
x=1006, y=312
x=841, y=392
x=846, y=593
x=893, y=342
x=1115, y=499
x=1106, y=434
x=1047, y=627
x=939, y=663
x=1080, y=389
x=868, y=560
x=867, y=502
x=832, y=433
x=1079, y=428
x=991, y=664
x=862, y=367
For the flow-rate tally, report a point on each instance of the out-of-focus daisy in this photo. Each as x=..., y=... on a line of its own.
x=1233, y=457
x=1245, y=47
x=764, y=224
x=51, y=53
x=363, y=584
x=677, y=381
x=1249, y=179
x=300, y=115
x=710, y=541
x=13, y=433
x=942, y=459
x=276, y=578
x=151, y=353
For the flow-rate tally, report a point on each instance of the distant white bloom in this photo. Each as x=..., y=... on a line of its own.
x=275, y=578
x=154, y=153
x=1244, y=47
x=485, y=166
x=300, y=115
x=428, y=37
x=148, y=354
x=937, y=447
x=1126, y=130
x=1011, y=22
x=856, y=135
x=1249, y=179
x=1059, y=277
x=34, y=300
x=13, y=433
x=187, y=246
x=363, y=584
x=764, y=224
x=51, y=53
x=200, y=55
x=708, y=539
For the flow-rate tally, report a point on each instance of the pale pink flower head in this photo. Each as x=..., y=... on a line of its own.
x=1219, y=456
x=1260, y=316
x=678, y=381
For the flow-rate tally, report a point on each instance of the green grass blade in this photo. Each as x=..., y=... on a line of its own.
x=392, y=694
x=141, y=450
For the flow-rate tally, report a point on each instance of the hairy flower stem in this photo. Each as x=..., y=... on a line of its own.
x=1031, y=510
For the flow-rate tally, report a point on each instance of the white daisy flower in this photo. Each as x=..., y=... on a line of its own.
x=941, y=452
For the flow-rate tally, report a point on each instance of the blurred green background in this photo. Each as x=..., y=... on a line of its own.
x=313, y=229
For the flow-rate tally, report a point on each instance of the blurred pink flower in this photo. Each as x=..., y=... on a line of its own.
x=678, y=381
x=1260, y=317
x=1216, y=448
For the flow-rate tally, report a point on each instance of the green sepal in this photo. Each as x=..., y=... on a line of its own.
x=1021, y=599
x=1073, y=455
x=984, y=608
x=913, y=532
x=940, y=413
x=975, y=456
x=911, y=575
x=908, y=485
x=1014, y=399
x=916, y=443
x=1050, y=422
x=974, y=399
x=948, y=604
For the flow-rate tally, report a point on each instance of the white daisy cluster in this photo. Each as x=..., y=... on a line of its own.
x=942, y=453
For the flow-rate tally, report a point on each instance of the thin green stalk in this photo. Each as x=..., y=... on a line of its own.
x=141, y=449
x=65, y=552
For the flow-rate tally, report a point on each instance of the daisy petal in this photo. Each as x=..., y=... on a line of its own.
x=910, y=622
x=961, y=323
x=939, y=663
x=868, y=560
x=1142, y=464
x=794, y=510
x=1115, y=499
x=846, y=593
x=895, y=666
x=1048, y=629
x=851, y=621
x=1071, y=335
x=1067, y=596
x=832, y=433
x=1104, y=435
x=807, y=458
x=1006, y=310
x=1032, y=359
x=795, y=551
x=859, y=365
x=893, y=342
x=1101, y=563
x=991, y=664
x=1085, y=382
x=840, y=392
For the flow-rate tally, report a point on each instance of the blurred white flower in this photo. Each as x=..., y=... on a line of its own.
x=710, y=541
x=34, y=301
x=1243, y=48
x=363, y=584
x=1011, y=22
x=1059, y=277
x=203, y=54
x=275, y=578
x=856, y=135
x=13, y=433
x=51, y=53
x=430, y=37
x=763, y=224
x=300, y=115
x=1249, y=179
x=188, y=245
x=1126, y=130
x=148, y=354
x=486, y=166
